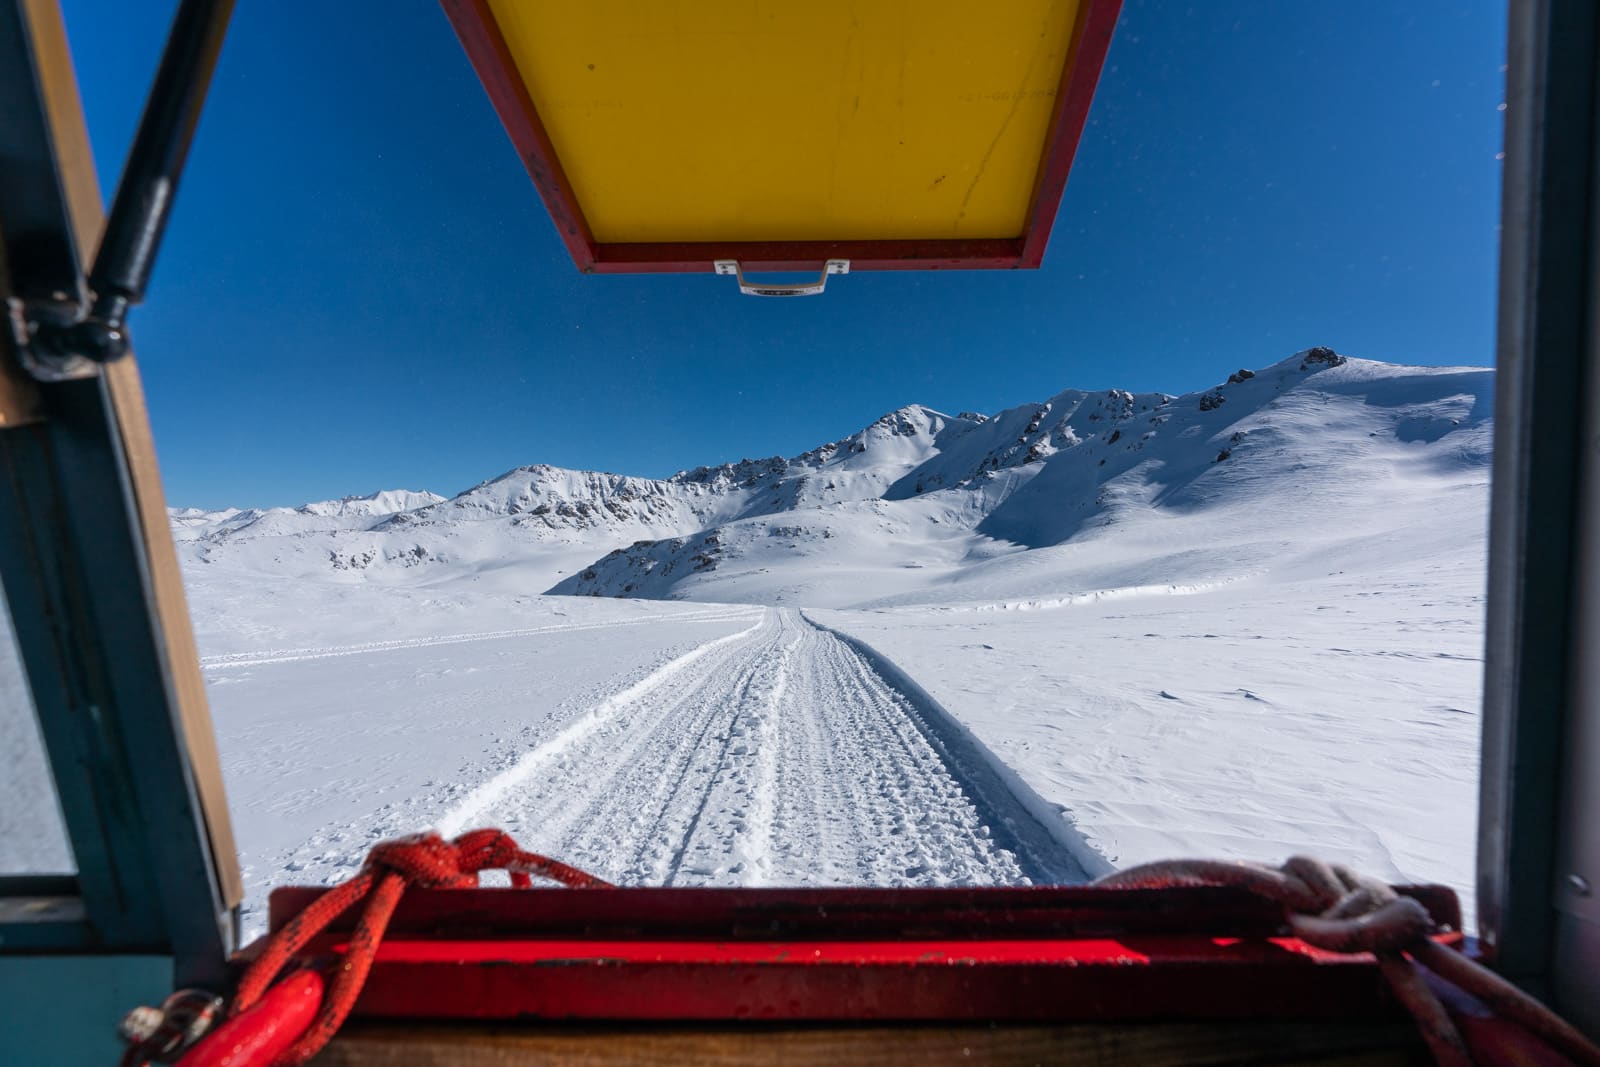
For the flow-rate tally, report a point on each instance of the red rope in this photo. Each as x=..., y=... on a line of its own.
x=1335, y=909
x=428, y=861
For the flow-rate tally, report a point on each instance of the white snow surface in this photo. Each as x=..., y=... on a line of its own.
x=33, y=838
x=772, y=756
x=1076, y=635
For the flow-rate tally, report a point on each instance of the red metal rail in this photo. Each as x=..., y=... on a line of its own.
x=855, y=954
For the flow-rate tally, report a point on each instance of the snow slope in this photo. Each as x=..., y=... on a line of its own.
x=1315, y=454
x=527, y=528
x=349, y=513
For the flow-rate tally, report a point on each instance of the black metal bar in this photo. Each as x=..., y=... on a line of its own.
x=38, y=885
x=1547, y=273
x=145, y=194
x=155, y=163
x=1575, y=956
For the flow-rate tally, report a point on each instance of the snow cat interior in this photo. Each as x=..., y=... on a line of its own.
x=1178, y=973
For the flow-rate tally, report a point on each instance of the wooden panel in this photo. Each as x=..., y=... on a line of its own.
x=60, y=85
x=127, y=393
x=19, y=400
x=1090, y=1046
x=172, y=611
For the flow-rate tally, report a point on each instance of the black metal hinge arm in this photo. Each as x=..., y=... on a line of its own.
x=98, y=333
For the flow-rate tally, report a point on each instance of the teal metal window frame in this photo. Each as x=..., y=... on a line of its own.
x=74, y=567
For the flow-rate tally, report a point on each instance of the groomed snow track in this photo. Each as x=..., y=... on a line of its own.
x=774, y=756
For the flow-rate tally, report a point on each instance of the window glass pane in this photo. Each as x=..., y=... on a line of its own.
x=1048, y=573
x=33, y=839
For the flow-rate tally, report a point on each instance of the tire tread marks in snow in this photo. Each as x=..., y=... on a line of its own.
x=780, y=758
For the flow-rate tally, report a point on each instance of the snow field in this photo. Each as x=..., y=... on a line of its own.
x=653, y=745
x=1335, y=715
x=324, y=756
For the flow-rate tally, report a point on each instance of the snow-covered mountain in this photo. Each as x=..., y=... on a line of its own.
x=1084, y=490
x=350, y=513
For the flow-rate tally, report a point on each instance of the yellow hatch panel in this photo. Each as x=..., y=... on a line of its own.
x=716, y=120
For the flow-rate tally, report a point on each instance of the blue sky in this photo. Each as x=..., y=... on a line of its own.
x=361, y=290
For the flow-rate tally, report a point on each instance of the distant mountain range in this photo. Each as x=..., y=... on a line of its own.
x=1082, y=490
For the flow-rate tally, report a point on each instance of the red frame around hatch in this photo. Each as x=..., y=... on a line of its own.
x=486, y=48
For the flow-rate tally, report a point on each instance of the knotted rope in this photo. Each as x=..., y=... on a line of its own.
x=425, y=860
x=1331, y=907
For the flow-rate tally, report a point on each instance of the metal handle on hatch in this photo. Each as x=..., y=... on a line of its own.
x=731, y=267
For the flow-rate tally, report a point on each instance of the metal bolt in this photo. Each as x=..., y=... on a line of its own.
x=1580, y=885
x=140, y=1024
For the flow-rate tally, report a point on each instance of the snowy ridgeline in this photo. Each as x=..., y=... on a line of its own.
x=1076, y=634
x=922, y=507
